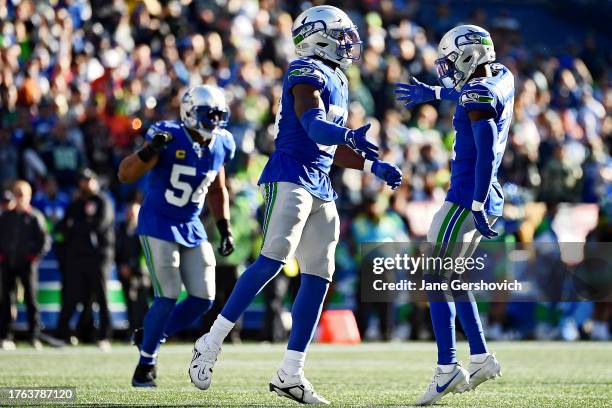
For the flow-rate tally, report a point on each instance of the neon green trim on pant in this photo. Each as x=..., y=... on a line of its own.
x=438, y=243
x=151, y=266
x=457, y=228
x=447, y=219
x=271, y=201
x=267, y=209
x=452, y=240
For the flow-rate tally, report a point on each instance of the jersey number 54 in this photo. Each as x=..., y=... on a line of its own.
x=184, y=189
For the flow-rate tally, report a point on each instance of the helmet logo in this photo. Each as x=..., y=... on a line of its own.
x=307, y=30
x=473, y=38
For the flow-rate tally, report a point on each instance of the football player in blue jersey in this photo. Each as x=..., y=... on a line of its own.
x=484, y=92
x=301, y=219
x=184, y=161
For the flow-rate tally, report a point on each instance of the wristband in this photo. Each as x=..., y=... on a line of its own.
x=147, y=153
x=367, y=166
x=477, y=205
x=224, y=227
x=437, y=91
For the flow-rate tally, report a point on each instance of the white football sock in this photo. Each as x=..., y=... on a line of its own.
x=219, y=331
x=447, y=368
x=479, y=358
x=293, y=362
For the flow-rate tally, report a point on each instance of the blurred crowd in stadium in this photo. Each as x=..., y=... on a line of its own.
x=80, y=81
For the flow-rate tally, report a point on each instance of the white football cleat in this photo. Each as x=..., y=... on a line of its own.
x=443, y=383
x=481, y=372
x=202, y=362
x=295, y=387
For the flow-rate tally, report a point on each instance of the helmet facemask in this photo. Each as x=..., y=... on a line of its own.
x=349, y=44
x=448, y=75
x=209, y=118
x=455, y=69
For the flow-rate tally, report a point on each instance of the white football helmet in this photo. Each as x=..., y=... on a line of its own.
x=461, y=50
x=328, y=33
x=203, y=108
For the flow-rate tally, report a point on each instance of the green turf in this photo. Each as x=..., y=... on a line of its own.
x=392, y=374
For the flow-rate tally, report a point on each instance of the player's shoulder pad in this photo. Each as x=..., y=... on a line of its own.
x=478, y=94
x=306, y=71
x=229, y=144
x=171, y=126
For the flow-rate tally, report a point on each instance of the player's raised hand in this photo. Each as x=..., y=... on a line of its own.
x=389, y=173
x=413, y=93
x=482, y=224
x=356, y=140
x=160, y=139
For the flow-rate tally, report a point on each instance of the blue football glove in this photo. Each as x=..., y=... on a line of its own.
x=482, y=224
x=414, y=93
x=356, y=140
x=387, y=172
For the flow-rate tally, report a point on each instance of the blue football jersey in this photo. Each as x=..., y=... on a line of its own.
x=176, y=187
x=494, y=94
x=297, y=158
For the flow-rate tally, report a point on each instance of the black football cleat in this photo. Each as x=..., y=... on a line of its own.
x=144, y=376
x=137, y=339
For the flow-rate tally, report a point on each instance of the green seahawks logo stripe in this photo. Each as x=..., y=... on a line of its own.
x=306, y=71
x=298, y=39
x=475, y=97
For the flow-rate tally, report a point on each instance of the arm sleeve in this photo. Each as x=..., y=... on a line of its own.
x=320, y=130
x=449, y=94
x=485, y=138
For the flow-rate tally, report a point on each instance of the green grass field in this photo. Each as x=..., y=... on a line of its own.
x=369, y=375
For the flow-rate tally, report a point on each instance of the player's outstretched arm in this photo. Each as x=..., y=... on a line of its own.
x=416, y=92
x=387, y=172
x=133, y=167
x=218, y=202
x=485, y=138
x=309, y=108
